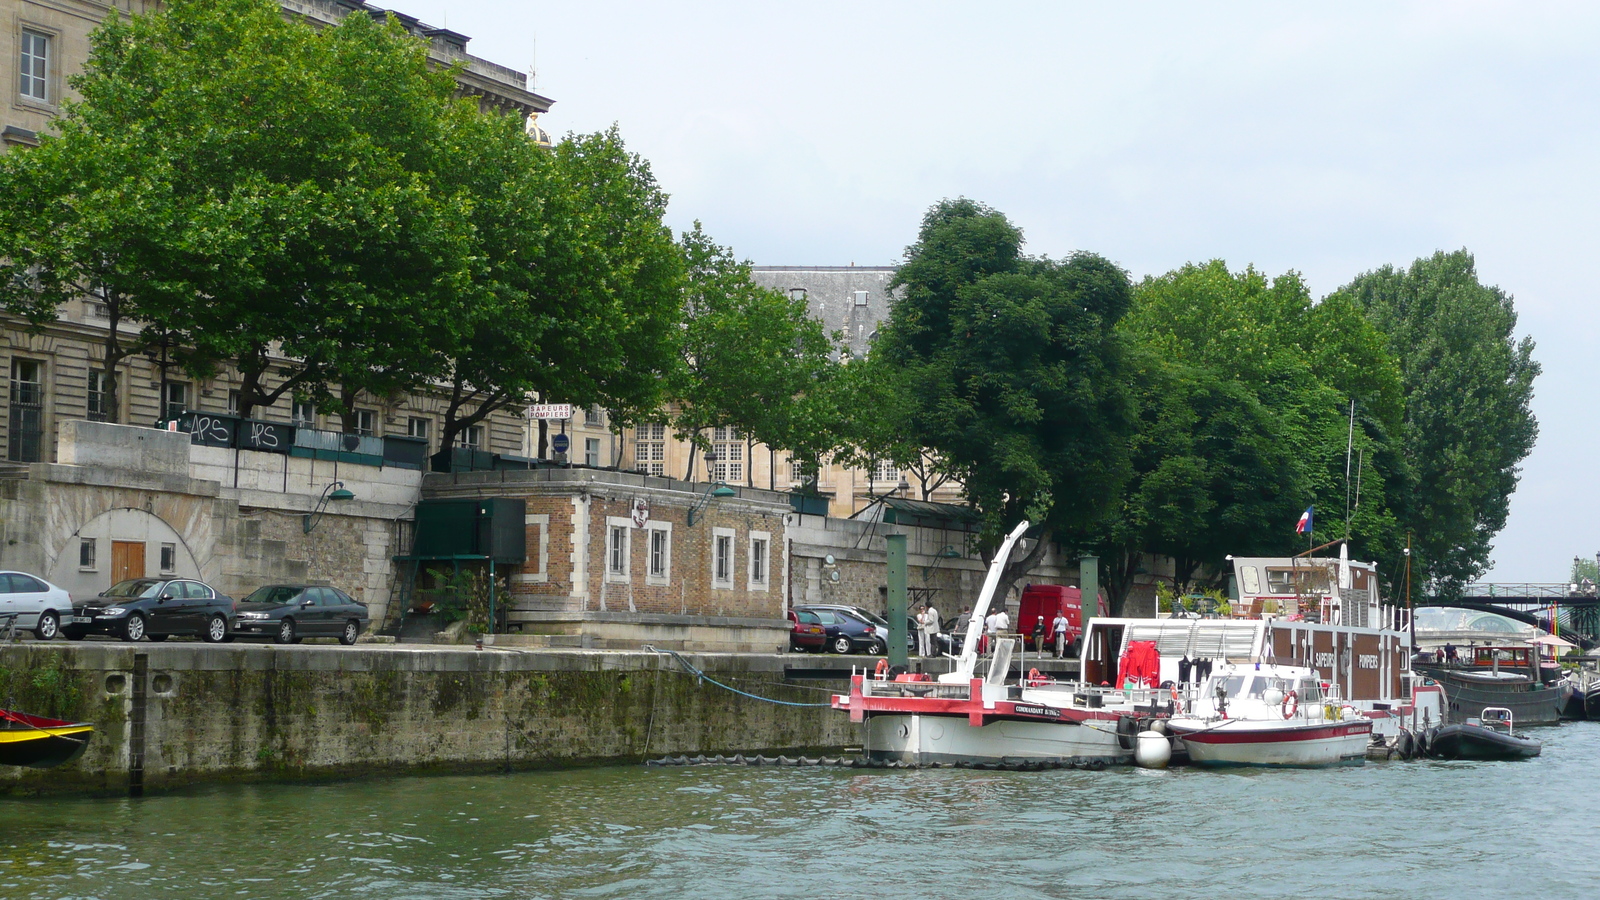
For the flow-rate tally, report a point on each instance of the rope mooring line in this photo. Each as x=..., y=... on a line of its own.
x=702, y=676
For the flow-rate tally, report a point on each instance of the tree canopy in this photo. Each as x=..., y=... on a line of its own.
x=1468, y=382
x=1015, y=372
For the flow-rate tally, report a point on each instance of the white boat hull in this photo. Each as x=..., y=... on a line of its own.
x=1250, y=743
x=949, y=740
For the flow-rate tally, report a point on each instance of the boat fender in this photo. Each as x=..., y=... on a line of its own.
x=1127, y=729
x=1331, y=712
x=1402, y=743
x=1290, y=705
x=882, y=672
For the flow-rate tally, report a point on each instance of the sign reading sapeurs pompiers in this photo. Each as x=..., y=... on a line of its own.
x=550, y=411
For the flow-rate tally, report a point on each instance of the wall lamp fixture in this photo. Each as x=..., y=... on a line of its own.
x=715, y=491
x=335, y=491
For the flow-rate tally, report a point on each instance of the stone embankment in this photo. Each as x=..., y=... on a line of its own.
x=167, y=715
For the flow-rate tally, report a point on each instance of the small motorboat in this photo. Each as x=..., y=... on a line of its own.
x=1270, y=715
x=40, y=743
x=1489, y=736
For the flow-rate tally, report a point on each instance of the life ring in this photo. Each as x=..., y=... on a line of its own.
x=1037, y=678
x=882, y=672
x=1290, y=705
x=1177, y=704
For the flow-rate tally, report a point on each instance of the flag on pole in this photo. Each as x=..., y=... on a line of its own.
x=1304, y=526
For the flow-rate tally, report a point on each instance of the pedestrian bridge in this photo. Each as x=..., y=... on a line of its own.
x=1572, y=613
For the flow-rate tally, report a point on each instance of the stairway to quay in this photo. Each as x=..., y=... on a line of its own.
x=175, y=714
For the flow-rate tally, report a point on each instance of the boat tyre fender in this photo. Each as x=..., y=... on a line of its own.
x=1403, y=744
x=882, y=672
x=1290, y=705
x=1127, y=732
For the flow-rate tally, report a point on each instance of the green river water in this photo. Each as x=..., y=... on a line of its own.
x=1417, y=829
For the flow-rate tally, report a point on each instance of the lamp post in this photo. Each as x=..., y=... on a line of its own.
x=334, y=491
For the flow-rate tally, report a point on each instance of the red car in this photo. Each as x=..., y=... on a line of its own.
x=806, y=633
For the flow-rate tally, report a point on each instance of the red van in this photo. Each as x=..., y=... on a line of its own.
x=1046, y=600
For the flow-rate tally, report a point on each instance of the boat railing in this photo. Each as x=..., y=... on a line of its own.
x=8, y=628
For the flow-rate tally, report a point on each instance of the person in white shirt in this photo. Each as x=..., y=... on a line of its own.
x=922, y=631
x=988, y=631
x=1002, y=622
x=930, y=630
x=1059, y=626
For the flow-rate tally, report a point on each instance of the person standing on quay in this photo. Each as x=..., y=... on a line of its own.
x=930, y=631
x=922, y=631
x=1002, y=622
x=988, y=632
x=1038, y=635
x=1059, y=626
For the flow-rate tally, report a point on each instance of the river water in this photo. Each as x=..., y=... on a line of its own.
x=1394, y=829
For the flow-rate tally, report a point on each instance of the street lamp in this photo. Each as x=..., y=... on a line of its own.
x=716, y=491
x=335, y=491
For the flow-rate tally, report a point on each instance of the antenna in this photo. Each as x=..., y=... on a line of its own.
x=1349, y=445
x=533, y=66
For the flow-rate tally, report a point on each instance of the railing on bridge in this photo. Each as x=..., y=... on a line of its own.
x=1572, y=611
x=1561, y=591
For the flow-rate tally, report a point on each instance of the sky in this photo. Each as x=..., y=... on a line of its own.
x=1327, y=139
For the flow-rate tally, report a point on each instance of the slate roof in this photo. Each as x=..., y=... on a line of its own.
x=830, y=292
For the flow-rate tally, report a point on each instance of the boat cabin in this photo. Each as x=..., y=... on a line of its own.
x=1322, y=614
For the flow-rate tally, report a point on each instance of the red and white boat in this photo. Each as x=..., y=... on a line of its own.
x=1322, y=618
x=1270, y=715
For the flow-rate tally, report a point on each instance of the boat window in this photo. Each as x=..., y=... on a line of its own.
x=1301, y=579
x=1231, y=685
x=1251, y=578
x=1309, y=691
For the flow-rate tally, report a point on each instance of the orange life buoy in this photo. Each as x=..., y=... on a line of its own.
x=882, y=672
x=1291, y=704
x=1177, y=704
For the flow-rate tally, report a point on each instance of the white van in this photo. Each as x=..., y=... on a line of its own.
x=29, y=603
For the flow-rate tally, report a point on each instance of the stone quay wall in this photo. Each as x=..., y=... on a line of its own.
x=176, y=714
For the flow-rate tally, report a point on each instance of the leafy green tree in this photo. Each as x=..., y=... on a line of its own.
x=1467, y=426
x=1244, y=390
x=254, y=190
x=1015, y=371
x=752, y=358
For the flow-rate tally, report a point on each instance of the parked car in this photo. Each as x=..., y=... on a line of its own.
x=289, y=612
x=36, y=604
x=154, y=608
x=850, y=628
x=806, y=632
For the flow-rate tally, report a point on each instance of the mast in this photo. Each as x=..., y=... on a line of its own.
x=969, y=651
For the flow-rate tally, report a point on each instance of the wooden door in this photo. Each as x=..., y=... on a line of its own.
x=127, y=560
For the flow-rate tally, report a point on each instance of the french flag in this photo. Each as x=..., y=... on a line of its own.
x=1304, y=526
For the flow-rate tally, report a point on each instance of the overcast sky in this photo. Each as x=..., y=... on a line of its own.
x=1329, y=140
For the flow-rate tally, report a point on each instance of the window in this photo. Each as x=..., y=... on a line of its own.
x=304, y=415
x=86, y=554
x=97, y=396
x=797, y=294
x=169, y=557
x=660, y=553
x=96, y=309
x=594, y=415
x=471, y=438
x=27, y=411
x=233, y=402
x=728, y=445
x=886, y=471
x=175, y=399
x=650, y=448
x=591, y=451
x=759, y=544
x=722, y=557
x=363, y=421
x=417, y=427
x=617, y=553
x=861, y=298
x=34, y=67
x=797, y=470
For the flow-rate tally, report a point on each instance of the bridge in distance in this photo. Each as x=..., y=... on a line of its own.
x=1571, y=611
